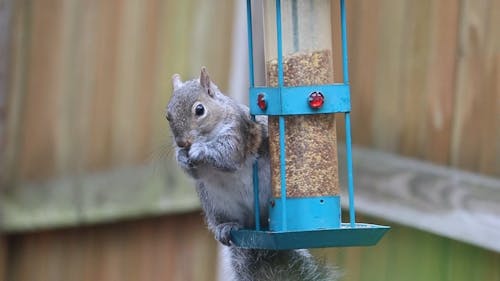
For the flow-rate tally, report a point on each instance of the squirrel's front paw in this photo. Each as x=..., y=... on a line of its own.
x=183, y=159
x=223, y=232
x=197, y=153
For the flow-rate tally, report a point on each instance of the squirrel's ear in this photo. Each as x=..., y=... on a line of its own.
x=176, y=81
x=205, y=81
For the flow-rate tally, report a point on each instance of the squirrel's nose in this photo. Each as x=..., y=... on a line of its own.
x=183, y=143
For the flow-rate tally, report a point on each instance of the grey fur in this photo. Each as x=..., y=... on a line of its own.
x=296, y=265
x=218, y=149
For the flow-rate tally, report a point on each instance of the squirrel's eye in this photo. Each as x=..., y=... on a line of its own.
x=199, y=110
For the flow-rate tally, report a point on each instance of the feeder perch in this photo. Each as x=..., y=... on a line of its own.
x=301, y=100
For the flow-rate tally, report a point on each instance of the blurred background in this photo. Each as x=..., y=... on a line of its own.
x=89, y=187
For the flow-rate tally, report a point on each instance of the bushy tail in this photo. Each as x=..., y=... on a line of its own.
x=287, y=265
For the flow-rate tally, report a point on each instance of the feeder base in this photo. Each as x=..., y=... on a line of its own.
x=361, y=234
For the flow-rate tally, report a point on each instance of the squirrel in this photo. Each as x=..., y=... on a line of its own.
x=216, y=143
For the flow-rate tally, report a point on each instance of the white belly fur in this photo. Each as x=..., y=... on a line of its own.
x=234, y=191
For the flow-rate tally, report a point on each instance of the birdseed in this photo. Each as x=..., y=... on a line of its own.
x=311, y=141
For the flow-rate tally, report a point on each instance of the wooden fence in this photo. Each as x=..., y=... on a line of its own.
x=426, y=80
x=176, y=248
x=90, y=79
x=87, y=82
x=87, y=85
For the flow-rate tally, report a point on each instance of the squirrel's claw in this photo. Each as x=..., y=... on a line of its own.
x=183, y=158
x=223, y=232
x=186, y=163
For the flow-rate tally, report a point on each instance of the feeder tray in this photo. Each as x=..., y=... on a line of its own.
x=361, y=234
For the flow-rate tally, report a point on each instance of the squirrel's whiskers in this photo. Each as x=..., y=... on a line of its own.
x=161, y=153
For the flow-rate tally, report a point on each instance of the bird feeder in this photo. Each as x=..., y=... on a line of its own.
x=301, y=100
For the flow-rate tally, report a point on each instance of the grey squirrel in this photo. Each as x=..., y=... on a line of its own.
x=216, y=143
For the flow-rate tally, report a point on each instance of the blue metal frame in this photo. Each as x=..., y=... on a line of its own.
x=345, y=68
x=323, y=213
x=281, y=119
x=293, y=100
x=255, y=167
x=289, y=228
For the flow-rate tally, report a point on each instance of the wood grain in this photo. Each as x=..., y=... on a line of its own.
x=447, y=202
x=125, y=119
x=16, y=95
x=38, y=134
x=440, y=89
x=386, y=118
x=147, y=111
x=489, y=161
x=129, y=192
x=474, y=145
x=363, y=68
x=5, y=58
x=89, y=71
x=99, y=142
x=99, y=75
x=152, y=249
x=5, y=53
x=68, y=91
x=415, y=63
x=395, y=256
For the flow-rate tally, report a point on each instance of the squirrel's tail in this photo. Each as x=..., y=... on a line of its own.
x=286, y=265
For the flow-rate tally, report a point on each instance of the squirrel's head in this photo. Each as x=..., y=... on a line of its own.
x=195, y=109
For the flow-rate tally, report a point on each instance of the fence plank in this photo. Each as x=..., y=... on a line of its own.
x=363, y=67
x=125, y=97
x=5, y=59
x=439, y=94
x=475, y=129
x=147, y=91
x=160, y=138
x=5, y=53
x=99, y=139
x=38, y=135
x=414, y=64
x=167, y=248
x=386, y=117
x=123, y=193
x=438, y=258
x=447, y=202
x=21, y=30
x=67, y=74
x=489, y=161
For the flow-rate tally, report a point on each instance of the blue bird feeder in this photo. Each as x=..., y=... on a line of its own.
x=301, y=100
